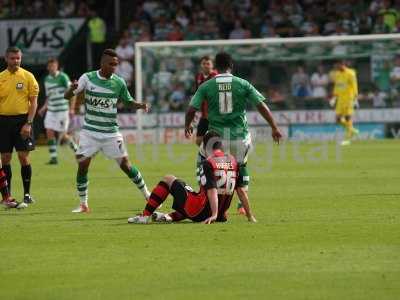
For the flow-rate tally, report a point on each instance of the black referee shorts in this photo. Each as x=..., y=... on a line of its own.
x=10, y=134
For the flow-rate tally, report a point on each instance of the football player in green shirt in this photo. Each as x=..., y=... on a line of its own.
x=102, y=89
x=57, y=109
x=227, y=96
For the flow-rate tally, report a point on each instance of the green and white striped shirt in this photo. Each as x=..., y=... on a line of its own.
x=55, y=87
x=101, y=97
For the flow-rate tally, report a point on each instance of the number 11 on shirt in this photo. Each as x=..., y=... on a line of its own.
x=225, y=102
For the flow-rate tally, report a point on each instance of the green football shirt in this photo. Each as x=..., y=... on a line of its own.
x=101, y=97
x=55, y=87
x=227, y=97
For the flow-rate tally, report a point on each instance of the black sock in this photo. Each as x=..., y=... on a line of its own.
x=4, y=186
x=7, y=170
x=26, y=174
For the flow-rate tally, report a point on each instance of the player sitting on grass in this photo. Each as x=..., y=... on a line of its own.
x=102, y=89
x=219, y=178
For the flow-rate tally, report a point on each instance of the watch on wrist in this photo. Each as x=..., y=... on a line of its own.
x=29, y=122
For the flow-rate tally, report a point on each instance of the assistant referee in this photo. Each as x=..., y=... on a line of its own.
x=18, y=103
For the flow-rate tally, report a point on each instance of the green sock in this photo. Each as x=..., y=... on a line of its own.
x=244, y=178
x=137, y=179
x=244, y=175
x=72, y=144
x=82, y=187
x=52, y=143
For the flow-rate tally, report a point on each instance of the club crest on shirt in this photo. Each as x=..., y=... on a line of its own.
x=19, y=86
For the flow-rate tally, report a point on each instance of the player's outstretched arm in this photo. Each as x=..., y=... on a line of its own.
x=267, y=115
x=189, y=117
x=141, y=105
x=244, y=198
x=212, y=196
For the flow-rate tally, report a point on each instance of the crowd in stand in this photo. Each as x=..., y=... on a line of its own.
x=210, y=19
x=311, y=89
x=235, y=19
x=44, y=8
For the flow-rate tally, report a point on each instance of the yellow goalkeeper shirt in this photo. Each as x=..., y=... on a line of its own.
x=345, y=86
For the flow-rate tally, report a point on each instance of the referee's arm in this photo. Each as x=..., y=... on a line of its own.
x=32, y=107
x=26, y=130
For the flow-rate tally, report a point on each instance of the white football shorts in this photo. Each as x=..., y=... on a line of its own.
x=112, y=147
x=57, y=121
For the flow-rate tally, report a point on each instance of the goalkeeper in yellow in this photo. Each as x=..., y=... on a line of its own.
x=344, y=97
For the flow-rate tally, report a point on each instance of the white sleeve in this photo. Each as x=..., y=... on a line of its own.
x=82, y=82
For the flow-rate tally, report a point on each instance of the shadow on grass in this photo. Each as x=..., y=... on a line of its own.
x=376, y=194
x=14, y=212
x=22, y=212
x=186, y=222
x=95, y=219
x=6, y=213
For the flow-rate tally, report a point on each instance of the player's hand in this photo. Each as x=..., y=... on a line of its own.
x=332, y=101
x=145, y=107
x=356, y=103
x=26, y=131
x=74, y=85
x=252, y=219
x=276, y=135
x=210, y=220
x=188, y=131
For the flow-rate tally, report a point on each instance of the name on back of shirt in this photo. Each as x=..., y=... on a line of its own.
x=224, y=165
x=224, y=87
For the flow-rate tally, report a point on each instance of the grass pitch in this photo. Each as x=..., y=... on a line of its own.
x=329, y=228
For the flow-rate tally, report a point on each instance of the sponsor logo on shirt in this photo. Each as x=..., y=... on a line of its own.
x=98, y=102
x=19, y=86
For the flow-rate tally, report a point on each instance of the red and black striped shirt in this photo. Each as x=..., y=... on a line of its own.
x=200, y=78
x=220, y=171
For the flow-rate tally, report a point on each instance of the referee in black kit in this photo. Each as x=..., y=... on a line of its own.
x=18, y=103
